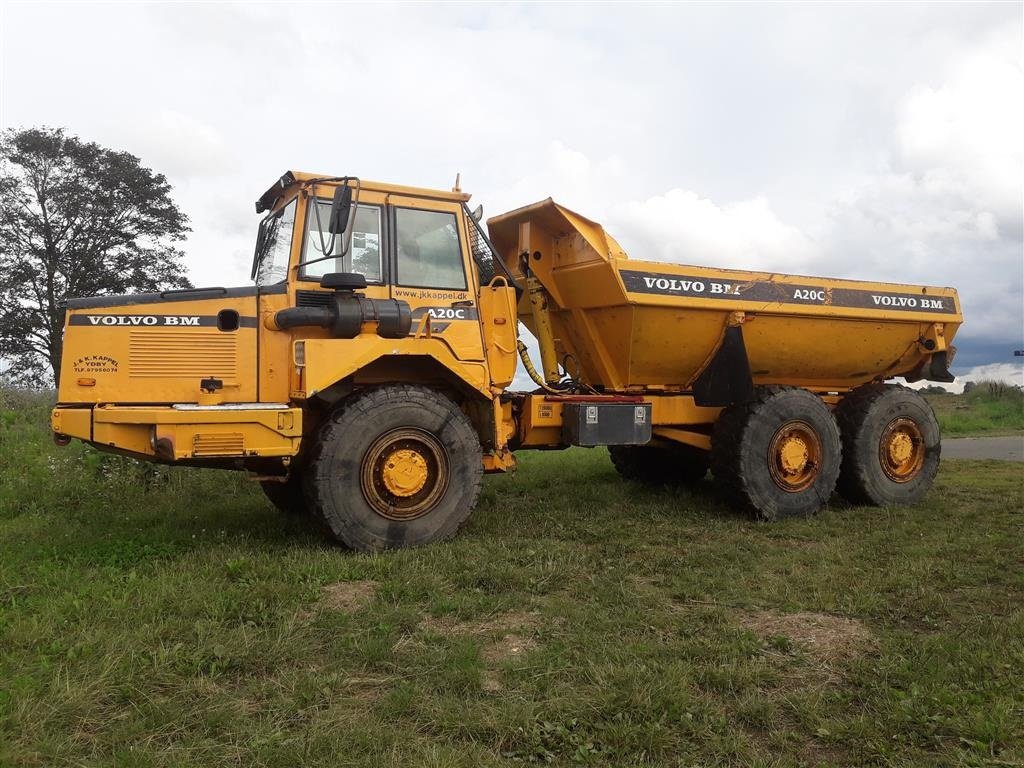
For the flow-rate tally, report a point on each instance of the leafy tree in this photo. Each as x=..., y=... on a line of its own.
x=76, y=219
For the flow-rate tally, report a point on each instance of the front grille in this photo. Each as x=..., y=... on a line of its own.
x=182, y=354
x=218, y=444
x=313, y=298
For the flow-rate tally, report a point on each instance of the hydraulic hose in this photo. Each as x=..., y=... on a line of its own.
x=524, y=355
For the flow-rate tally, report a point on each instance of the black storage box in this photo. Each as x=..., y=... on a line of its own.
x=590, y=424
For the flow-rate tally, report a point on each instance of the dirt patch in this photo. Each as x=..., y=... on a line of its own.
x=504, y=637
x=826, y=638
x=508, y=623
x=368, y=689
x=508, y=647
x=495, y=653
x=348, y=596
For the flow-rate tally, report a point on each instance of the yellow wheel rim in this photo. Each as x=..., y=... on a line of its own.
x=404, y=474
x=901, y=450
x=794, y=456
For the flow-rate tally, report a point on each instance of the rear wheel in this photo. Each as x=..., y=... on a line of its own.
x=397, y=466
x=778, y=455
x=891, y=445
x=660, y=464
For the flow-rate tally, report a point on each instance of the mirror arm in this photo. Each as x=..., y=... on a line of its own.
x=346, y=237
x=325, y=247
x=316, y=261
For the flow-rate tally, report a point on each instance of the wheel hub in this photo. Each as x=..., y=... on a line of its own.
x=404, y=474
x=901, y=450
x=794, y=456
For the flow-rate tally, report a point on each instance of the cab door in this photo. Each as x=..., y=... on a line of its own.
x=431, y=271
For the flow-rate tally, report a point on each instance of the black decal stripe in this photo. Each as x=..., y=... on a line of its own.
x=204, y=321
x=766, y=291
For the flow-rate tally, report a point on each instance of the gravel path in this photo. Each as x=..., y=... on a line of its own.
x=1009, y=448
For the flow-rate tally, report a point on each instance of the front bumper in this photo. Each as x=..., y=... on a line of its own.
x=184, y=432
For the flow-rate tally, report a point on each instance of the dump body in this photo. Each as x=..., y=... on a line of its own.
x=635, y=326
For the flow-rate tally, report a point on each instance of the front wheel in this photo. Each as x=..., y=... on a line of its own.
x=398, y=466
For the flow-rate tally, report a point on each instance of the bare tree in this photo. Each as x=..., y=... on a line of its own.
x=76, y=219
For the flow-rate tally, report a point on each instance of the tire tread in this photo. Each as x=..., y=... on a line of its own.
x=728, y=442
x=854, y=483
x=356, y=410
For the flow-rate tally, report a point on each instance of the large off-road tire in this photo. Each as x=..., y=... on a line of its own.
x=288, y=496
x=660, y=464
x=777, y=455
x=396, y=466
x=891, y=445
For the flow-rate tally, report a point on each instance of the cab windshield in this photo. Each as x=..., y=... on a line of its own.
x=273, y=246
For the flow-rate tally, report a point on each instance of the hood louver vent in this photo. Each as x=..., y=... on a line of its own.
x=313, y=298
x=192, y=355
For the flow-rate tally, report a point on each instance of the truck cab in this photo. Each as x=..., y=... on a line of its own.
x=417, y=247
x=193, y=356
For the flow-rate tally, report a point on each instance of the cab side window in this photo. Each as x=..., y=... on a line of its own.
x=429, y=254
x=364, y=255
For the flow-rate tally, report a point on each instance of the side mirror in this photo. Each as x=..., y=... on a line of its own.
x=341, y=206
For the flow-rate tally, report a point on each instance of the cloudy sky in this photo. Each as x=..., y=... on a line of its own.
x=866, y=141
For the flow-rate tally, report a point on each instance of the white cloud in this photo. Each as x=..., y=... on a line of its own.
x=848, y=140
x=179, y=145
x=680, y=226
x=970, y=127
x=944, y=208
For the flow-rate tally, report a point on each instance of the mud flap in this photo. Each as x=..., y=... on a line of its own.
x=727, y=378
x=935, y=368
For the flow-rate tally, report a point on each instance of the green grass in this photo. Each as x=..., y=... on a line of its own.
x=990, y=408
x=173, y=618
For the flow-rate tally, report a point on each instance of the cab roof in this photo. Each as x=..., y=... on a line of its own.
x=289, y=178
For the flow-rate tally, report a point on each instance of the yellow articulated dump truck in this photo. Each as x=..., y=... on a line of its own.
x=364, y=378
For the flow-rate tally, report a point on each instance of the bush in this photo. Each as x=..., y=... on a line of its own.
x=985, y=407
x=991, y=391
x=39, y=476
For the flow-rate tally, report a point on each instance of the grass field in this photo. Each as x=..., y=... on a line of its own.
x=173, y=618
x=990, y=408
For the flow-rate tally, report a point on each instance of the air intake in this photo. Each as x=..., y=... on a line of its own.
x=172, y=354
x=218, y=444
